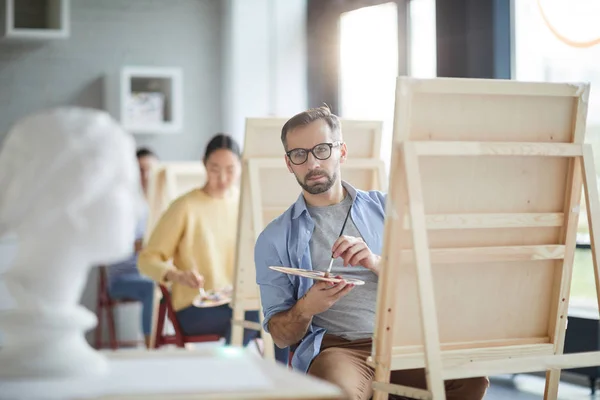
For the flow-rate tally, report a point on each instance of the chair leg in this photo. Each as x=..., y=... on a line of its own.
x=98, y=331
x=179, y=337
x=260, y=346
x=179, y=340
x=111, y=328
x=160, y=326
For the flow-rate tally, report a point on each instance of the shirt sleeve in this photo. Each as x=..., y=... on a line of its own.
x=161, y=246
x=381, y=199
x=276, y=289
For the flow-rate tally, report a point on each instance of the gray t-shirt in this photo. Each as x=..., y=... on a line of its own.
x=353, y=316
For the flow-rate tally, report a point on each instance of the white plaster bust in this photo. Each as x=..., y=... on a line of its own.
x=71, y=194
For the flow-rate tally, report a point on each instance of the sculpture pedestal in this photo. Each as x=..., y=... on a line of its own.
x=219, y=373
x=48, y=344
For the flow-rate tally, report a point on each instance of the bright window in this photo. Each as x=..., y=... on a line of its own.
x=422, y=42
x=554, y=42
x=369, y=66
x=369, y=60
x=559, y=41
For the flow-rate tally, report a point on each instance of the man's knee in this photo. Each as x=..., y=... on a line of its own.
x=480, y=386
x=320, y=366
x=471, y=388
x=334, y=366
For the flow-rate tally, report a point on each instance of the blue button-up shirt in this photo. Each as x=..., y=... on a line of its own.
x=285, y=242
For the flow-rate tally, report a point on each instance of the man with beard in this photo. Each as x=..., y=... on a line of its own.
x=331, y=325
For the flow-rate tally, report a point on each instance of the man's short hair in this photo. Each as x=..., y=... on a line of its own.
x=312, y=115
x=144, y=152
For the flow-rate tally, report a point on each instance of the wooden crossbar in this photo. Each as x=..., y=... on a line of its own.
x=475, y=345
x=464, y=367
x=458, y=86
x=451, y=358
x=478, y=221
x=400, y=390
x=490, y=254
x=247, y=324
x=435, y=148
x=522, y=364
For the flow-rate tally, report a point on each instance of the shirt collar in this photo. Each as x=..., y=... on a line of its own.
x=300, y=204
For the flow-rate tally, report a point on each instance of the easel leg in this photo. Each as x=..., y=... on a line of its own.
x=586, y=168
x=237, y=328
x=552, y=381
x=257, y=226
x=383, y=342
x=593, y=209
x=433, y=361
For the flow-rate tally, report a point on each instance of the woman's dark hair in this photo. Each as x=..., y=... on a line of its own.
x=222, y=141
x=143, y=152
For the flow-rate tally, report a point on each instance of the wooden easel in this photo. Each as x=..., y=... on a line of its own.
x=482, y=213
x=168, y=180
x=268, y=189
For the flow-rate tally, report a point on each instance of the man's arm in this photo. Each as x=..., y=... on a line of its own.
x=276, y=290
x=162, y=244
x=289, y=327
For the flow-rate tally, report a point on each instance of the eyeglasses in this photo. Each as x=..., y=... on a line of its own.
x=322, y=151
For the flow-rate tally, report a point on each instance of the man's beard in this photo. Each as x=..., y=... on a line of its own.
x=319, y=187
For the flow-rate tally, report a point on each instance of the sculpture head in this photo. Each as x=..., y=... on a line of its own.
x=70, y=180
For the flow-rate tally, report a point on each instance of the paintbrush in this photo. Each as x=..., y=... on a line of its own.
x=341, y=232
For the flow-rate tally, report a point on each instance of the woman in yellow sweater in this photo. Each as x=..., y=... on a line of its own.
x=198, y=233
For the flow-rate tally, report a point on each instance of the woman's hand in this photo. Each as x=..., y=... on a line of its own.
x=187, y=278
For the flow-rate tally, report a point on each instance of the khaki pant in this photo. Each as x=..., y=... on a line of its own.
x=344, y=363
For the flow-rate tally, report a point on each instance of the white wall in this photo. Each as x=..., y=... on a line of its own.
x=248, y=56
x=264, y=58
x=109, y=34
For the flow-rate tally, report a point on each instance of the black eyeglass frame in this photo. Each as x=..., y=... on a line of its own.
x=331, y=146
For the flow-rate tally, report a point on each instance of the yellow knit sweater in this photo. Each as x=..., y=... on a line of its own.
x=196, y=231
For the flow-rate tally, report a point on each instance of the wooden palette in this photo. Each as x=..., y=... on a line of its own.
x=316, y=275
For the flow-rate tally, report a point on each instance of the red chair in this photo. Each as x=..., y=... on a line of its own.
x=292, y=350
x=165, y=310
x=105, y=304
